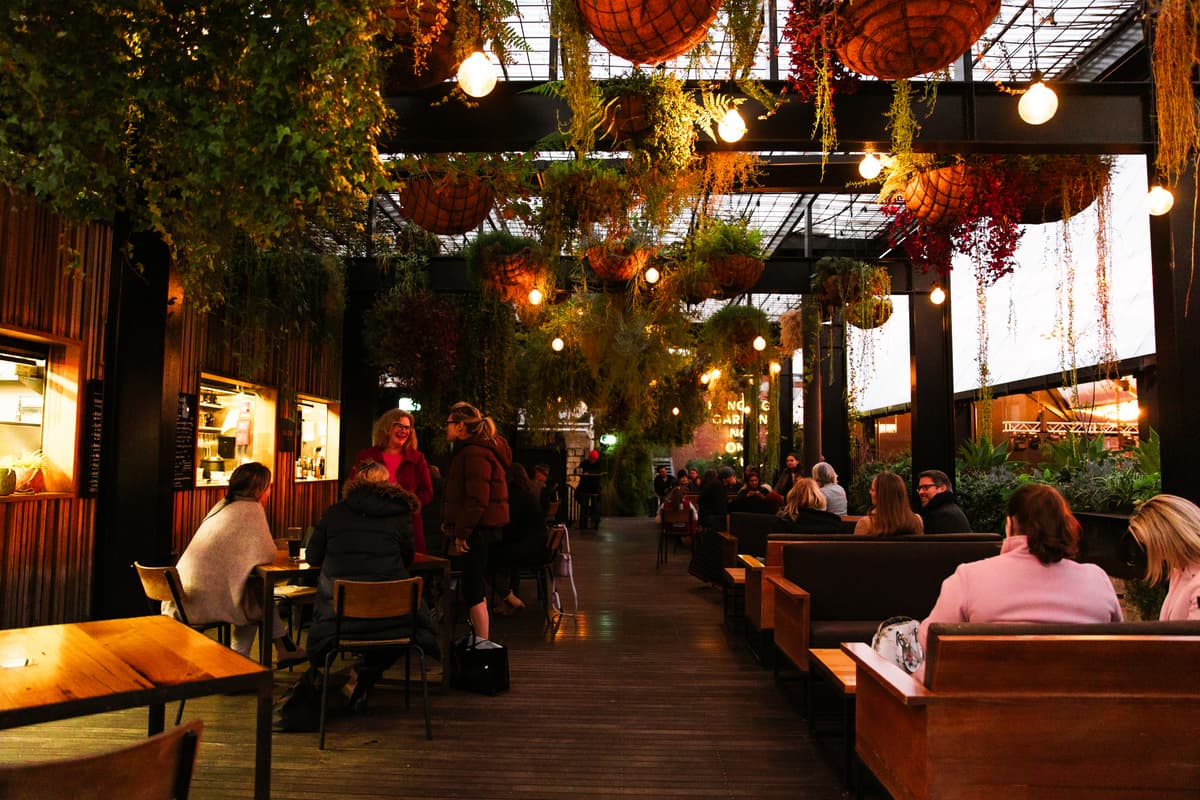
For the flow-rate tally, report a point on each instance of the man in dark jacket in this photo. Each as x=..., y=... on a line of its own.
x=939, y=509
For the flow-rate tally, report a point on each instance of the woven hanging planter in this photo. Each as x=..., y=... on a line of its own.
x=940, y=194
x=869, y=313
x=734, y=274
x=626, y=118
x=449, y=206
x=611, y=264
x=648, y=31
x=401, y=73
x=1060, y=185
x=893, y=39
x=512, y=276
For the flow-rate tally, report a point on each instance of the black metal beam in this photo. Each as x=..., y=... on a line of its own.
x=1092, y=118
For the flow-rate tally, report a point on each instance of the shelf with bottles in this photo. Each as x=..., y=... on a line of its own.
x=236, y=425
x=317, y=438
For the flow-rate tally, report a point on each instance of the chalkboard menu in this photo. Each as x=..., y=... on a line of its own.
x=184, y=472
x=93, y=430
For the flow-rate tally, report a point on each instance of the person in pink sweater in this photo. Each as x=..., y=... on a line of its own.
x=1168, y=527
x=1033, y=579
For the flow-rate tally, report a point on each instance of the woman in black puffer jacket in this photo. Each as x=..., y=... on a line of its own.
x=366, y=537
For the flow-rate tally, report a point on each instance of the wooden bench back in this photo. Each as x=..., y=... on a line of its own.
x=1138, y=659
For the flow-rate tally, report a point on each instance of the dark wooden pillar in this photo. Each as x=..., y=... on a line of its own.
x=1177, y=336
x=835, y=416
x=932, y=378
x=812, y=384
x=787, y=425
x=141, y=392
x=360, y=381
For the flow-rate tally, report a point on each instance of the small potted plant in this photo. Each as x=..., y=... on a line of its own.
x=860, y=290
x=732, y=254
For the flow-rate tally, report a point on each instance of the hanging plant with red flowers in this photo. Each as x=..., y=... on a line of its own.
x=816, y=73
x=971, y=208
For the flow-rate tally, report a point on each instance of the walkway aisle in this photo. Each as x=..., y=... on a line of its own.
x=642, y=695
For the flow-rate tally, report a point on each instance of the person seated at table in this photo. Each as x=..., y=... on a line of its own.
x=663, y=482
x=890, y=514
x=216, y=569
x=835, y=495
x=368, y=536
x=547, y=489
x=1168, y=527
x=714, y=498
x=804, y=510
x=788, y=475
x=682, y=480
x=522, y=541
x=694, y=480
x=1034, y=579
x=754, y=498
x=677, y=501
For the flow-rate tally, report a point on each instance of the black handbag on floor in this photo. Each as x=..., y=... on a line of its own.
x=479, y=665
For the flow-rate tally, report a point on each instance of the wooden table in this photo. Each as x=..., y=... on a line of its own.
x=837, y=667
x=427, y=566
x=56, y=672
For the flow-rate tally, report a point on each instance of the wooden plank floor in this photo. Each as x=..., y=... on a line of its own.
x=643, y=695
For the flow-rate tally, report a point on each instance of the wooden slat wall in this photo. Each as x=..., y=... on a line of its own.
x=46, y=545
x=296, y=367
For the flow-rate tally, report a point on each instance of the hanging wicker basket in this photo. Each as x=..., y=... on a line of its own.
x=448, y=206
x=868, y=313
x=648, y=31
x=1062, y=186
x=402, y=72
x=893, y=39
x=616, y=265
x=734, y=274
x=940, y=194
x=626, y=118
x=513, y=275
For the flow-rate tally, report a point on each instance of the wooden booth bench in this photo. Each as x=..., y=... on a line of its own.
x=1069, y=712
x=829, y=592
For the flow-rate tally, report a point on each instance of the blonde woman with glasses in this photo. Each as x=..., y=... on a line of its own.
x=395, y=446
x=1168, y=527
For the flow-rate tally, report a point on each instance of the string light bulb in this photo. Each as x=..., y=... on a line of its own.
x=557, y=345
x=732, y=127
x=535, y=297
x=1039, y=103
x=870, y=166
x=652, y=276
x=705, y=378
x=938, y=295
x=760, y=343
x=715, y=374
x=1160, y=200
x=675, y=411
x=776, y=368
x=477, y=75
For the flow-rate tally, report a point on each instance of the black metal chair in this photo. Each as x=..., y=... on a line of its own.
x=376, y=600
x=162, y=584
x=156, y=768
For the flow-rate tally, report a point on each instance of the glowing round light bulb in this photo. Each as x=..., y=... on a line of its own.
x=652, y=276
x=760, y=343
x=937, y=296
x=1038, y=104
x=675, y=411
x=776, y=368
x=1160, y=200
x=557, y=345
x=870, y=166
x=714, y=374
x=477, y=75
x=535, y=297
x=732, y=127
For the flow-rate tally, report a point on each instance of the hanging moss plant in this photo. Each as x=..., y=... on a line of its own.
x=509, y=267
x=728, y=339
x=579, y=196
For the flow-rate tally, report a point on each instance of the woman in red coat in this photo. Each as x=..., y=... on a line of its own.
x=396, y=448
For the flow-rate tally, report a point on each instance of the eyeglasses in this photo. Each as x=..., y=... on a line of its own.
x=924, y=487
x=400, y=427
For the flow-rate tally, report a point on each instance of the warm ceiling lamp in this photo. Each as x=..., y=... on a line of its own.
x=705, y=378
x=652, y=276
x=776, y=368
x=675, y=411
x=714, y=374
x=1160, y=200
x=557, y=345
x=477, y=75
x=1039, y=102
x=938, y=295
x=535, y=297
x=732, y=127
x=760, y=343
x=870, y=166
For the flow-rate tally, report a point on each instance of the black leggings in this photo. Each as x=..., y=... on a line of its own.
x=473, y=565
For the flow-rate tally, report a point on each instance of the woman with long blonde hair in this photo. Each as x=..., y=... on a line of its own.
x=804, y=510
x=394, y=444
x=890, y=513
x=476, y=506
x=1168, y=527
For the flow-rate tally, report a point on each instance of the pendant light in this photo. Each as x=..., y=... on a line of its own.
x=1038, y=103
x=732, y=127
x=477, y=75
x=1160, y=200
